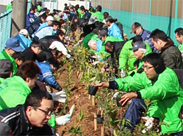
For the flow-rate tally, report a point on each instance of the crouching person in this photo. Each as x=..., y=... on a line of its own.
x=30, y=118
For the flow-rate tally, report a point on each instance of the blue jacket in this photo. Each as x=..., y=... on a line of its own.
x=43, y=25
x=114, y=30
x=146, y=38
x=24, y=42
x=47, y=76
x=30, y=18
x=87, y=16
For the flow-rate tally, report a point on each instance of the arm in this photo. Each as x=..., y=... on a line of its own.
x=5, y=130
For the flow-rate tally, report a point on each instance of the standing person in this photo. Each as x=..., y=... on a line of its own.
x=86, y=14
x=113, y=29
x=179, y=38
x=30, y=118
x=23, y=39
x=14, y=90
x=98, y=13
x=9, y=6
x=137, y=29
x=30, y=18
x=169, y=52
x=12, y=46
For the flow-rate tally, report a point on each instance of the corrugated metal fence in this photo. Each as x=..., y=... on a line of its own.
x=5, y=28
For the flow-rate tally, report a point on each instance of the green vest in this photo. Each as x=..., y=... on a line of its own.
x=4, y=55
x=8, y=7
x=99, y=16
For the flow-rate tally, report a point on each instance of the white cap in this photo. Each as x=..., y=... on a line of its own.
x=49, y=18
x=24, y=32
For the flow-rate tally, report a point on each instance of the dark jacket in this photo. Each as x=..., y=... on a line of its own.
x=14, y=122
x=171, y=56
x=46, y=41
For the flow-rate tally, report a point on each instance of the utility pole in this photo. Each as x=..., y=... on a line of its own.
x=18, y=16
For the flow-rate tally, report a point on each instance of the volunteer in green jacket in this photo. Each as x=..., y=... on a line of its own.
x=9, y=6
x=127, y=57
x=98, y=13
x=14, y=90
x=12, y=46
x=158, y=83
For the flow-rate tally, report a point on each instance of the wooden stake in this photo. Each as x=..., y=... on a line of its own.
x=102, y=131
x=93, y=100
x=95, y=122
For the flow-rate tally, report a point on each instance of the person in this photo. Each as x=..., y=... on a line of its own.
x=98, y=13
x=137, y=29
x=14, y=90
x=47, y=31
x=6, y=69
x=12, y=46
x=30, y=18
x=179, y=38
x=86, y=15
x=30, y=118
x=46, y=74
x=113, y=29
x=32, y=52
x=170, y=53
x=9, y=6
x=105, y=14
x=23, y=39
x=19, y=58
x=158, y=83
x=127, y=57
x=39, y=5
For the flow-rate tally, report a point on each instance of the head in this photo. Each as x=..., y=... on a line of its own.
x=92, y=20
x=12, y=46
x=179, y=35
x=159, y=39
x=153, y=65
x=61, y=35
x=49, y=20
x=53, y=63
x=109, y=47
x=42, y=16
x=105, y=14
x=109, y=20
x=6, y=68
x=24, y=32
x=99, y=8
x=82, y=10
x=35, y=47
x=19, y=58
x=38, y=107
x=136, y=38
x=102, y=35
x=39, y=3
x=56, y=25
x=139, y=49
x=32, y=10
x=28, y=71
x=136, y=28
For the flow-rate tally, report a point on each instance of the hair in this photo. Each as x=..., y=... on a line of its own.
x=105, y=14
x=43, y=16
x=83, y=8
x=56, y=23
x=136, y=38
x=19, y=56
x=179, y=31
x=39, y=3
x=60, y=32
x=82, y=36
x=154, y=59
x=41, y=57
x=35, y=44
x=28, y=69
x=35, y=98
x=54, y=62
x=99, y=8
x=91, y=9
x=6, y=68
x=109, y=44
x=159, y=34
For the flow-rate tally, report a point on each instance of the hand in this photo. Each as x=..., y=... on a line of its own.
x=127, y=97
x=102, y=85
x=59, y=96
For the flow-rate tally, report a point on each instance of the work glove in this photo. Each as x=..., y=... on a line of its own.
x=59, y=96
x=123, y=73
x=62, y=120
x=149, y=124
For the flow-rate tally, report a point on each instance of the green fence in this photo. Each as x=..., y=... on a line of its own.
x=5, y=28
x=166, y=15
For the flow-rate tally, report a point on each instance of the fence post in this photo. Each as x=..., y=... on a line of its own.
x=18, y=16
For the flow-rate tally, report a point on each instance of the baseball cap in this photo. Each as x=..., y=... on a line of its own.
x=92, y=20
x=134, y=26
x=108, y=18
x=6, y=66
x=23, y=32
x=102, y=33
x=137, y=45
x=13, y=44
x=49, y=18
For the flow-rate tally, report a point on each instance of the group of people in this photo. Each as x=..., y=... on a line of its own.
x=146, y=64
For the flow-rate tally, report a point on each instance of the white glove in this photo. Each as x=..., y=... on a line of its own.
x=115, y=95
x=149, y=124
x=59, y=96
x=123, y=73
x=62, y=120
